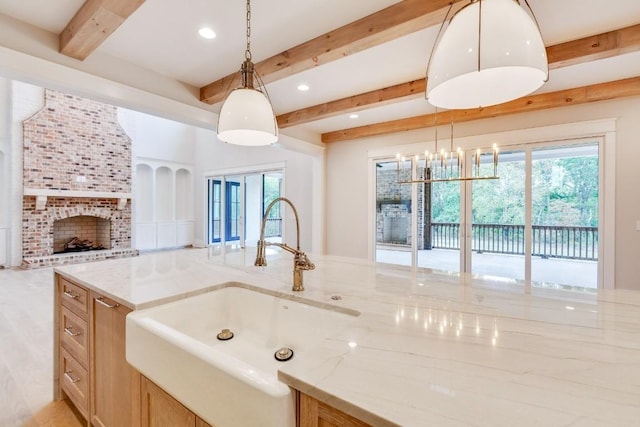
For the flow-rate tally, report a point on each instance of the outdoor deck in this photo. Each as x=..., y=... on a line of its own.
x=549, y=271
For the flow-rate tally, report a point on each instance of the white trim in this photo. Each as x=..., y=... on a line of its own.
x=72, y=193
x=577, y=130
x=246, y=170
x=607, y=222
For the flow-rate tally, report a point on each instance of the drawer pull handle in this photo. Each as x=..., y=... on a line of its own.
x=106, y=304
x=67, y=375
x=71, y=295
x=69, y=331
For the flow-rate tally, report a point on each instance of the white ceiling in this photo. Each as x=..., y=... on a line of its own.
x=161, y=36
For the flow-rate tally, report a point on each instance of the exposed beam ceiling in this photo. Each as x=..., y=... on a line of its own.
x=574, y=52
x=388, y=24
x=562, y=98
x=92, y=24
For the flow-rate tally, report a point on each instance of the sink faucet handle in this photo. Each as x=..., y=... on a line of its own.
x=303, y=262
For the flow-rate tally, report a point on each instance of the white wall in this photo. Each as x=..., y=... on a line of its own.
x=347, y=177
x=163, y=180
x=253, y=208
x=302, y=182
x=19, y=101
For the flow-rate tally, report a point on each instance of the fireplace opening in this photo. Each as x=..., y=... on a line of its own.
x=80, y=234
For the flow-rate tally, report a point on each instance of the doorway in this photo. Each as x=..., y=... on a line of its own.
x=236, y=204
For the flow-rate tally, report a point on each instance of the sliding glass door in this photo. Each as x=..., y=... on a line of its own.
x=498, y=218
x=538, y=223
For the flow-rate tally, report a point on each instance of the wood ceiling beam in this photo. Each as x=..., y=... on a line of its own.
x=562, y=98
x=395, y=21
x=573, y=52
x=92, y=24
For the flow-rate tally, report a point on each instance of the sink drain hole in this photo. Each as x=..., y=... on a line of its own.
x=225, y=335
x=283, y=354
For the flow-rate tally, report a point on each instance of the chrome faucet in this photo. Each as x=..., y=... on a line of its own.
x=300, y=260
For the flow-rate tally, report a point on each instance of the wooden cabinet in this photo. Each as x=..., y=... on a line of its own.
x=72, y=343
x=115, y=384
x=160, y=409
x=313, y=413
x=92, y=371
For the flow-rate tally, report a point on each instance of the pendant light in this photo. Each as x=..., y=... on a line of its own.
x=246, y=116
x=490, y=52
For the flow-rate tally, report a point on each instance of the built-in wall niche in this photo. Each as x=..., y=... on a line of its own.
x=144, y=193
x=163, y=209
x=164, y=194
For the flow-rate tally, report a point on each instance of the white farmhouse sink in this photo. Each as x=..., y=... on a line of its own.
x=229, y=383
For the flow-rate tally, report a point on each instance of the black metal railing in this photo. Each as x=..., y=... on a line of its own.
x=273, y=228
x=548, y=241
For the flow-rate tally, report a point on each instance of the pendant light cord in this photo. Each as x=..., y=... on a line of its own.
x=247, y=53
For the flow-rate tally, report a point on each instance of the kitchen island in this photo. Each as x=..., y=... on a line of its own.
x=429, y=348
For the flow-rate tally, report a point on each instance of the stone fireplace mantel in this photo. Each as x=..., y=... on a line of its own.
x=43, y=194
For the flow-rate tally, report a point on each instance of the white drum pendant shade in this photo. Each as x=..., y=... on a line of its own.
x=247, y=118
x=513, y=58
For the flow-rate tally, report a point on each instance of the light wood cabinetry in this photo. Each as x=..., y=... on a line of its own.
x=114, y=384
x=313, y=413
x=72, y=346
x=160, y=409
x=92, y=371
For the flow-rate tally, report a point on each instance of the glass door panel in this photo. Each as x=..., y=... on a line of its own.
x=565, y=205
x=438, y=223
x=498, y=217
x=215, y=210
x=233, y=220
x=393, y=212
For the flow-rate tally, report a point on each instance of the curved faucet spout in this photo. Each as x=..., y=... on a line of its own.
x=301, y=261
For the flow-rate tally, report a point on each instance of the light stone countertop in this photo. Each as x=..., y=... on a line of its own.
x=429, y=348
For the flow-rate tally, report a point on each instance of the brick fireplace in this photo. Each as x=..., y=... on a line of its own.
x=77, y=182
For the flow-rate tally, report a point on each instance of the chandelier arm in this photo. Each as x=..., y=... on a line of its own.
x=451, y=142
x=435, y=43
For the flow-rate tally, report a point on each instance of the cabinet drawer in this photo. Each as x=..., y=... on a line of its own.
x=74, y=382
x=74, y=297
x=74, y=335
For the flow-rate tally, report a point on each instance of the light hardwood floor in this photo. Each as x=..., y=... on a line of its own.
x=26, y=352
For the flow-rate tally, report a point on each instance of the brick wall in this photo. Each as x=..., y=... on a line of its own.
x=72, y=137
x=38, y=233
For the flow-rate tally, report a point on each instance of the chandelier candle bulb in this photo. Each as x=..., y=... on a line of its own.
x=495, y=160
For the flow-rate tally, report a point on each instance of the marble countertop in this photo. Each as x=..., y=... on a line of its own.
x=429, y=348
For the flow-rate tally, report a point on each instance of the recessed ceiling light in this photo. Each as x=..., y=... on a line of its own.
x=303, y=87
x=207, y=33
x=353, y=116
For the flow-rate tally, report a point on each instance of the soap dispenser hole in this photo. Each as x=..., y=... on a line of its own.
x=225, y=335
x=283, y=354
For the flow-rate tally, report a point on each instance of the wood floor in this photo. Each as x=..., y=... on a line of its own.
x=26, y=352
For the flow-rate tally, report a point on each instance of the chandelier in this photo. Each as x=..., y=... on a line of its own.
x=443, y=165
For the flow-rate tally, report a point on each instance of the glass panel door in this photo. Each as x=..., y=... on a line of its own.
x=214, y=211
x=233, y=218
x=498, y=217
x=565, y=206
x=438, y=223
x=393, y=212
